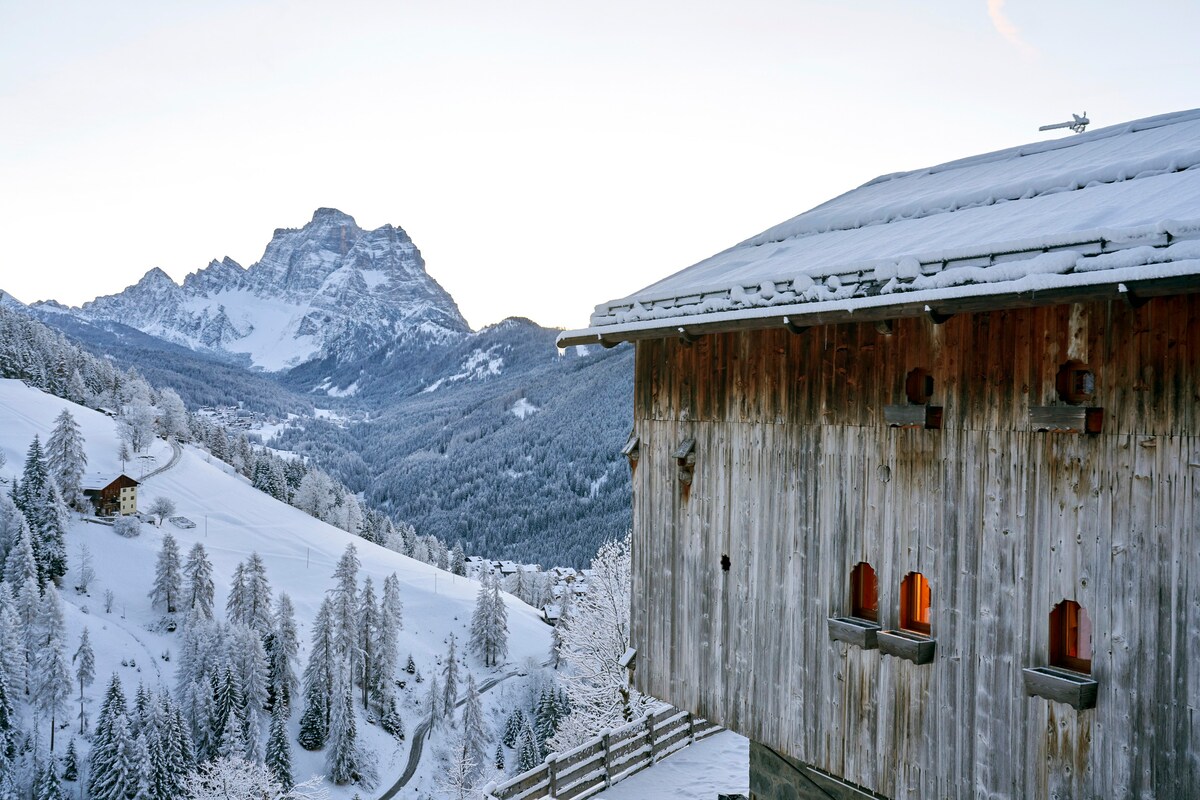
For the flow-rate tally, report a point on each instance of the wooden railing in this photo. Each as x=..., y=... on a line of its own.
x=599, y=763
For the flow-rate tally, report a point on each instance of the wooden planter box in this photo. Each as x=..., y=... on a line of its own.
x=1063, y=686
x=855, y=631
x=905, y=644
x=927, y=417
x=1066, y=419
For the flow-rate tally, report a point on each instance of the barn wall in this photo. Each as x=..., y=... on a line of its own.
x=797, y=478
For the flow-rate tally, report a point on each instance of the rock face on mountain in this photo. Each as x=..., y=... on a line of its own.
x=328, y=290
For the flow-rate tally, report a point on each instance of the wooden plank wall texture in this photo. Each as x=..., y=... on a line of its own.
x=797, y=479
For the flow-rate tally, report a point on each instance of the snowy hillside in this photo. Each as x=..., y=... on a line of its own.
x=327, y=289
x=232, y=520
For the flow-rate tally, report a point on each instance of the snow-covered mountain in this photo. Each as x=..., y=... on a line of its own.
x=326, y=290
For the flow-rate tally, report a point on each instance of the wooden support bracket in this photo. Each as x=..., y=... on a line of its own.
x=793, y=327
x=936, y=317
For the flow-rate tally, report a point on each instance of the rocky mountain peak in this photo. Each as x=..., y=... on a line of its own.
x=326, y=289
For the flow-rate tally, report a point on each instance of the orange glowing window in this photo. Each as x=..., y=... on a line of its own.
x=914, y=603
x=864, y=592
x=1071, y=637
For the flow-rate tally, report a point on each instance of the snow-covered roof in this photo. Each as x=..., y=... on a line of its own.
x=1109, y=211
x=95, y=481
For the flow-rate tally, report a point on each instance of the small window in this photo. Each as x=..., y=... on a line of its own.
x=914, y=603
x=918, y=386
x=1076, y=384
x=1071, y=637
x=864, y=592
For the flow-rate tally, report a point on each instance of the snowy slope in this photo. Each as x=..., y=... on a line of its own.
x=233, y=520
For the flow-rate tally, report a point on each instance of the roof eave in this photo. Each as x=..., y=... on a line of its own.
x=938, y=305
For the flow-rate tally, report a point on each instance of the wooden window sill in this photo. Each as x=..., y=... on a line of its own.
x=1062, y=686
x=927, y=417
x=854, y=630
x=907, y=645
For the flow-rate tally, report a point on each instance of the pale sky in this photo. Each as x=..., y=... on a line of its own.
x=545, y=155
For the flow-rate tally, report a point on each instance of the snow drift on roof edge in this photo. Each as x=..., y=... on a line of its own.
x=1115, y=182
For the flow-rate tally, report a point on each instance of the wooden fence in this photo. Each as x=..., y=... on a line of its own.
x=599, y=763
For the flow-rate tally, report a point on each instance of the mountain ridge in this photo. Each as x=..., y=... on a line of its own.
x=326, y=289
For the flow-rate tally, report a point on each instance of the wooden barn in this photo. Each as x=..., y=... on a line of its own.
x=111, y=494
x=917, y=479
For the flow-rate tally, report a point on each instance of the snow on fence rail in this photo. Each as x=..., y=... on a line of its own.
x=599, y=763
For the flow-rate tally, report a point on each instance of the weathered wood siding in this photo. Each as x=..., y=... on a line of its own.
x=797, y=478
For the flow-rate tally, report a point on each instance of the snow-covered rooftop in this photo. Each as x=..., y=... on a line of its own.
x=1114, y=210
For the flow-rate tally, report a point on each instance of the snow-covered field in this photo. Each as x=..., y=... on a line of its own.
x=232, y=520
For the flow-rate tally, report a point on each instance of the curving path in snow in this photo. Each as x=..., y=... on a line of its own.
x=176, y=454
x=422, y=730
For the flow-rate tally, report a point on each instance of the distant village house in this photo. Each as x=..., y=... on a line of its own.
x=111, y=494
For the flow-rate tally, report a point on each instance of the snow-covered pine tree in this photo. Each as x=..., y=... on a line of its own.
x=228, y=708
x=389, y=717
x=66, y=458
x=344, y=596
x=37, y=497
x=318, y=681
x=199, y=590
x=11, y=520
x=53, y=684
x=28, y=607
x=499, y=761
x=168, y=577
x=547, y=717
x=513, y=727
x=518, y=584
x=235, y=604
x=249, y=662
x=177, y=744
x=433, y=703
x=528, y=753
x=70, y=771
x=233, y=738
x=411, y=666
x=21, y=563
x=475, y=732
x=199, y=708
x=282, y=654
x=12, y=650
x=158, y=778
x=450, y=682
x=458, y=560
x=112, y=730
x=48, y=786
x=8, y=724
x=385, y=652
x=257, y=612
x=343, y=761
x=489, y=623
x=368, y=630
x=279, y=750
